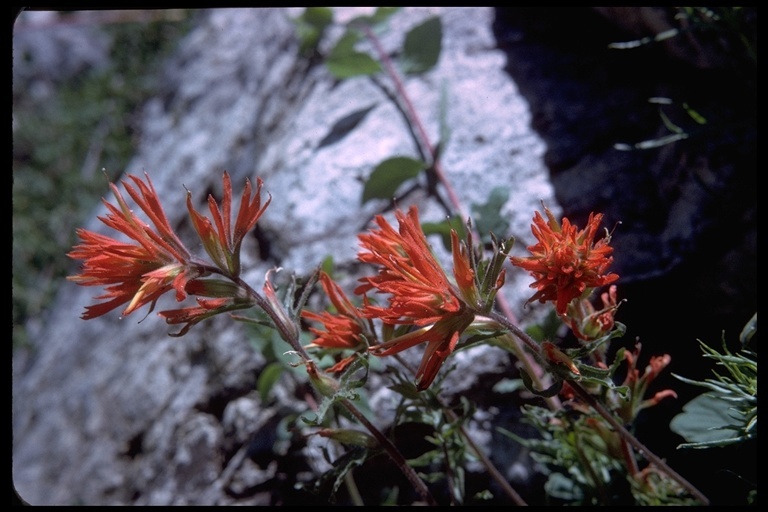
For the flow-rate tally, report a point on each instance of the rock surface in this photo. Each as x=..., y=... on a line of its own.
x=113, y=411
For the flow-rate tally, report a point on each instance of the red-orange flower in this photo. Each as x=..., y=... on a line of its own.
x=565, y=262
x=345, y=328
x=419, y=291
x=638, y=384
x=136, y=272
x=221, y=242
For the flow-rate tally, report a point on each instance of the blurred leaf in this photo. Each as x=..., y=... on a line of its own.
x=421, y=49
x=705, y=419
x=310, y=27
x=444, y=230
x=345, y=62
x=389, y=175
x=343, y=126
x=488, y=218
x=378, y=18
x=508, y=386
x=267, y=378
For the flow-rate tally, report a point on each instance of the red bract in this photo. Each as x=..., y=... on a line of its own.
x=565, y=262
x=343, y=329
x=419, y=291
x=221, y=242
x=136, y=272
x=154, y=261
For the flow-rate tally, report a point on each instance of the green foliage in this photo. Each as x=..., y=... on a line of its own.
x=421, y=49
x=387, y=177
x=310, y=27
x=488, y=217
x=443, y=228
x=579, y=471
x=345, y=61
x=727, y=414
x=447, y=460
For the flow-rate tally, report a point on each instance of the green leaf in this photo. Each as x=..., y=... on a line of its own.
x=443, y=229
x=421, y=49
x=546, y=393
x=267, y=378
x=345, y=62
x=311, y=25
x=378, y=18
x=704, y=419
x=488, y=218
x=389, y=175
x=332, y=479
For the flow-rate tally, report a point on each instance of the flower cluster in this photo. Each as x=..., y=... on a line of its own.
x=154, y=260
x=566, y=263
x=419, y=293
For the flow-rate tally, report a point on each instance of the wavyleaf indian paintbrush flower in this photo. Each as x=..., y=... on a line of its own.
x=221, y=241
x=137, y=272
x=420, y=293
x=154, y=260
x=566, y=262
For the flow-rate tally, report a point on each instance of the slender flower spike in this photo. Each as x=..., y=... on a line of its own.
x=638, y=384
x=566, y=262
x=419, y=291
x=137, y=272
x=221, y=242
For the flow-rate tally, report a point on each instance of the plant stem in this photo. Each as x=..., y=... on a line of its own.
x=492, y=470
x=289, y=335
x=394, y=454
x=631, y=439
x=597, y=406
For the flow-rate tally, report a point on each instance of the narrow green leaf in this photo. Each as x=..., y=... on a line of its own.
x=421, y=49
x=389, y=175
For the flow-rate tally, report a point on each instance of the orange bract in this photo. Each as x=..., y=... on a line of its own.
x=345, y=328
x=419, y=291
x=154, y=261
x=565, y=262
x=221, y=242
x=136, y=273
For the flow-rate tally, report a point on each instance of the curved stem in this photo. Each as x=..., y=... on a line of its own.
x=530, y=366
x=492, y=470
x=394, y=454
x=414, y=119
